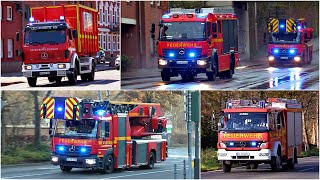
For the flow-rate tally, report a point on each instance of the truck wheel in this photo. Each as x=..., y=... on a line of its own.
x=73, y=77
x=165, y=75
x=213, y=74
x=58, y=79
x=151, y=161
x=276, y=163
x=230, y=72
x=108, y=167
x=90, y=76
x=254, y=166
x=84, y=77
x=51, y=79
x=65, y=168
x=226, y=167
x=32, y=81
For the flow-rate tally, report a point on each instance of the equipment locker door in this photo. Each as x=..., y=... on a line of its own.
x=121, y=139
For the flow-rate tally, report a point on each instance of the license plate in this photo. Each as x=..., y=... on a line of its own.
x=243, y=154
x=72, y=159
x=283, y=57
x=182, y=62
x=43, y=73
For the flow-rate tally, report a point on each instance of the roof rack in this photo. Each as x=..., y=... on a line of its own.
x=182, y=11
x=217, y=10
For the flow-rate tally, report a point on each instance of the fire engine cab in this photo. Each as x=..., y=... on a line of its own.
x=289, y=42
x=104, y=135
x=198, y=41
x=255, y=132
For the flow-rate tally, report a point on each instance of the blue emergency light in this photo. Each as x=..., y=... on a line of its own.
x=231, y=143
x=31, y=19
x=276, y=51
x=254, y=143
x=202, y=15
x=59, y=107
x=281, y=26
x=171, y=54
x=165, y=16
x=100, y=112
x=292, y=51
x=192, y=55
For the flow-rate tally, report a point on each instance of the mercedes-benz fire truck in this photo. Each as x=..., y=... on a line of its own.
x=104, y=135
x=255, y=132
x=198, y=41
x=60, y=41
x=289, y=42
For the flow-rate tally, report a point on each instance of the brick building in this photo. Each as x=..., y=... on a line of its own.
x=15, y=15
x=136, y=41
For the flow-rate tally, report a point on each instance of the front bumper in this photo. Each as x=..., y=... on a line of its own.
x=46, y=70
x=261, y=155
x=183, y=63
x=79, y=163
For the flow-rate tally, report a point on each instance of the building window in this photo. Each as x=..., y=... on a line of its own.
x=158, y=3
x=9, y=13
x=1, y=48
x=105, y=41
x=118, y=42
x=109, y=42
x=100, y=41
x=116, y=14
x=10, y=48
x=90, y=4
x=106, y=12
x=115, y=42
x=151, y=2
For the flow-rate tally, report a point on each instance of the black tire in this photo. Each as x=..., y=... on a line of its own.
x=248, y=166
x=165, y=75
x=276, y=162
x=212, y=76
x=84, y=77
x=73, y=76
x=65, y=168
x=151, y=162
x=254, y=166
x=226, y=167
x=32, y=81
x=118, y=68
x=91, y=75
x=51, y=79
x=108, y=167
x=58, y=79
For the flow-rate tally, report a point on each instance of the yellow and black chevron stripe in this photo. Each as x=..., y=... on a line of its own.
x=49, y=103
x=274, y=24
x=290, y=26
x=70, y=103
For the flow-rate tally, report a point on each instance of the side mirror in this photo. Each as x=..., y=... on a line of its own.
x=215, y=35
x=17, y=36
x=278, y=126
x=153, y=28
x=74, y=34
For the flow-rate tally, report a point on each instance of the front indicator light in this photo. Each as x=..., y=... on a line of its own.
x=297, y=58
x=61, y=66
x=271, y=58
x=27, y=67
x=201, y=62
x=163, y=62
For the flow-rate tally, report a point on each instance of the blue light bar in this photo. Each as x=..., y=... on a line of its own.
x=192, y=55
x=202, y=15
x=299, y=27
x=101, y=112
x=165, y=16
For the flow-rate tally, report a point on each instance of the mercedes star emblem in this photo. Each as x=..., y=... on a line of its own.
x=44, y=55
x=242, y=144
x=72, y=148
x=181, y=52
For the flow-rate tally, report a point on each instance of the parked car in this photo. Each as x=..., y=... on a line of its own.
x=117, y=62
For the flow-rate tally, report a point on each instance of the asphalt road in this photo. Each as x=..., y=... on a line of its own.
x=255, y=76
x=105, y=78
x=308, y=168
x=163, y=170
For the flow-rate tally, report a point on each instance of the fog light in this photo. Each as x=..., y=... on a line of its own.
x=271, y=58
x=201, y=62
x=163, y=62
x=27, y=67
x=54, y=159
x=90, y=161
x=297, y=58
x=61, y=66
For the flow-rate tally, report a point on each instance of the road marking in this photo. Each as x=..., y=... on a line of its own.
x=305, y=169
x=140, y=174
x=26, y=175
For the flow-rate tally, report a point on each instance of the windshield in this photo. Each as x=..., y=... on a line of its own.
x=45, y=37
x=182, y=31
x=246, y=121
x=291, y=38
x=86, y=128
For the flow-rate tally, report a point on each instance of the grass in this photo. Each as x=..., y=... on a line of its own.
x=209, y=160
x=312, y=152
x=27, y=154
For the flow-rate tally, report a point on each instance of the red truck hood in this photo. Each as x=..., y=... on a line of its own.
x=38, y=54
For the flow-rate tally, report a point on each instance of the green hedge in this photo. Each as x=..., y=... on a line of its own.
x=209, y=160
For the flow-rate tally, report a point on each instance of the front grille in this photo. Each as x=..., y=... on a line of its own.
x=68, y=151
x=243, y=144
x=185, y=55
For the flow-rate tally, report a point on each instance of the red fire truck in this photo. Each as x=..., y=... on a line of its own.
x=60, y=41
x=289, y=42
x=255, y=132
x=198, y=41
x=104, y=135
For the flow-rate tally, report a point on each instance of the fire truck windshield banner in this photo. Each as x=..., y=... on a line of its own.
x=87, y=25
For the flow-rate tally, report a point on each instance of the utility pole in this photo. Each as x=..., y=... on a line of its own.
x=187, y=102
x=195, y=105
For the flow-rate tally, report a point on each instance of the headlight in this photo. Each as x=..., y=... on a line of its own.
x=223, y=145
x=61, y=66
x=27, y=67
x=90, y=161
x=201, y=62
x=297, y=58
x=54, y=159
x=163, y=62
x=271, y=58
